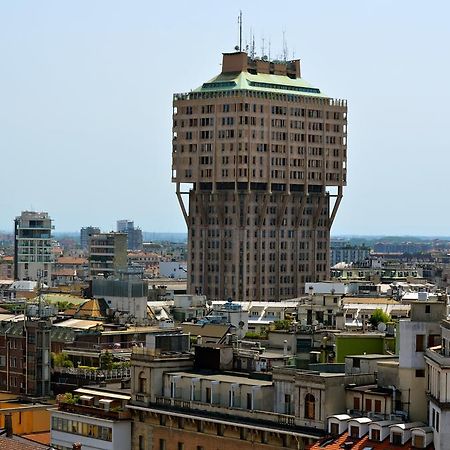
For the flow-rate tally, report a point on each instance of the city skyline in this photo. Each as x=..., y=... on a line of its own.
x=82, y=83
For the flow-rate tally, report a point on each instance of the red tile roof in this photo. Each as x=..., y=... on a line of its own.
x=72, y=260
x=64, y=273
x=359, y=443
x=41, y=438
x=18, y=443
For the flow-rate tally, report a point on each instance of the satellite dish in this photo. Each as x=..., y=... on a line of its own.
x=381, y=327
x=315, y=322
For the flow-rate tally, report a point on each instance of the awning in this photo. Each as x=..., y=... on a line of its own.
x=102, y=394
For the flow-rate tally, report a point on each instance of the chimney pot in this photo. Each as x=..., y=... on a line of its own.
x=8, y=425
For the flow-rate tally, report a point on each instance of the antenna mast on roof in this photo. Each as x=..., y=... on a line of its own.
x=253, y=47
x=285, y=47
x=240, y=30
x=263, y=48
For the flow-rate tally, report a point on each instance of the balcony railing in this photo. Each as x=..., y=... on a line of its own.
x=435, y=354
x=94, y=411
x=267, y=416
x=92, y=375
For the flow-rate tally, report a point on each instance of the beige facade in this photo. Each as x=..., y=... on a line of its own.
x=177, y=402
x=107, y=254
x=259, y=148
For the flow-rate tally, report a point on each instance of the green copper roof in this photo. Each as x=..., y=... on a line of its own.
x=279, y=84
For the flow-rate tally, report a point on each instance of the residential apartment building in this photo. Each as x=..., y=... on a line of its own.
x=260, y=148
x=135, y=239
x=385, y=274
x=107, y=254
x=345, y=252
x=85, y=235
x=416, y=334
x=33, y=247
x=437, y=359
x=25, y=356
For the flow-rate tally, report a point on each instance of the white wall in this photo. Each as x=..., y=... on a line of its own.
x=408, y=356
x=326, y=288
x=136, y=306
x=121, y=433
x=173, y=269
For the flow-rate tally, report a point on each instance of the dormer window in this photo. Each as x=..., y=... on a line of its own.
x=396, y=438
x=375, y=435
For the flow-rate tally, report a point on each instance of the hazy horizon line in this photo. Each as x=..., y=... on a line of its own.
x=338, y=235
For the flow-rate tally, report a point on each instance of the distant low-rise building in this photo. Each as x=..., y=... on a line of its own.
x=342, y=251
x=6, y=267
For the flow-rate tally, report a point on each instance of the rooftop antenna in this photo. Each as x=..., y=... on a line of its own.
x=253, y=46
x=285, y=47
x=263, y=48
x=248, y=42
x=269, y=49
x=240, y=30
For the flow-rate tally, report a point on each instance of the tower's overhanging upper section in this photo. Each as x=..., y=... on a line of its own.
x=239, y=71
x=259, y=125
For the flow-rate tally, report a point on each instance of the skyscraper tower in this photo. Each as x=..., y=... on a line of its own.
x=260, y=150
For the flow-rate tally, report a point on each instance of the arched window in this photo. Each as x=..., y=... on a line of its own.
x=310, y=406
x=142, y=384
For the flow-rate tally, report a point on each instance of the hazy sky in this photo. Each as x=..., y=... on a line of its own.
x=86, y=89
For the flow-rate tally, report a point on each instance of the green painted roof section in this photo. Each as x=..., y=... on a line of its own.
x=264, y=82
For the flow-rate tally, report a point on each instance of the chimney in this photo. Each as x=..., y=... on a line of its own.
x=8, y=425
x=76, y=446
x=125, y=383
